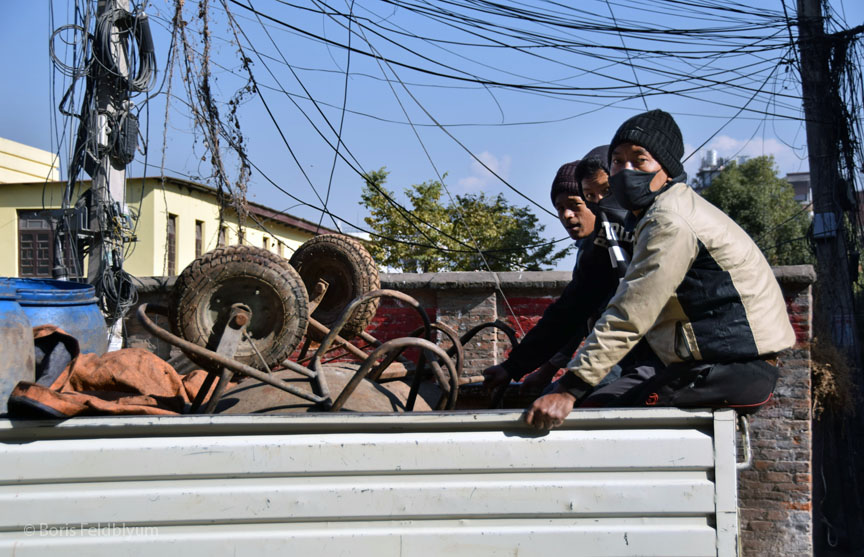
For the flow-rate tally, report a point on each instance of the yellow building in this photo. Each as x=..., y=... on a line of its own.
x=22, y=163
x=174, y=221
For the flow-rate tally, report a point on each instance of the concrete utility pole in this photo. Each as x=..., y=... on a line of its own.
x=108, y=173
x=821, y=109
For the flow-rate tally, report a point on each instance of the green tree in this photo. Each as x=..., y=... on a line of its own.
x=429, y=235
x=764, y=205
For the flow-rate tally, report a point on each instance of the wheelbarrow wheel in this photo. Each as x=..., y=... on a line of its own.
x=349, y=271
x=263, y=281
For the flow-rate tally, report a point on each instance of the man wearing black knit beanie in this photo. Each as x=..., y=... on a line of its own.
x=698, y=295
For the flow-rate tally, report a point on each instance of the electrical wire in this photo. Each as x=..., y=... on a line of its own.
x=723, y=58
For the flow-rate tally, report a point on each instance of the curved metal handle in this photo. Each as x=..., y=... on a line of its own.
x=456, y=348
x=348, y=312
x=507, y=329
x=400, y=344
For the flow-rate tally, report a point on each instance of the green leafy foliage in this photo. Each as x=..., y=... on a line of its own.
x=764, y=205
x=508, y=236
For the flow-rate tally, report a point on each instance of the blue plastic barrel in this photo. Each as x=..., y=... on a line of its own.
x=16, y=339
x=72, y=306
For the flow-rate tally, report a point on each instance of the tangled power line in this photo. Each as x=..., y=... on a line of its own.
x=727, y=61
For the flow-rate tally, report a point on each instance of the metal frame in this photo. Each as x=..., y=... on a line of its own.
x=223, y=363
x=218, y=359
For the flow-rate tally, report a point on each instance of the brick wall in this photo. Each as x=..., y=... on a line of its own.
x=775, y=493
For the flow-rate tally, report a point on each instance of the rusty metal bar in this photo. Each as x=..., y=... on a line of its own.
x=230, y=339
x=317, y=294
x=202, y=392
x=369, y=338
x=439, y=375
x=445, y=386
x=218, y=359
x=353, y=350
x=257, y=352
x=224, y=379
x=303, y=349
x=414, y=390
x=457, y=347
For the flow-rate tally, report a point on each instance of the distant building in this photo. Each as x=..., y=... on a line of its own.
x=801, y=184
x=174, y=222
x=711, y=166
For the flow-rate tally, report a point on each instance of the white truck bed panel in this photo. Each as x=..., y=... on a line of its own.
x=373, y=453
x=671, y=537
x=609, y=482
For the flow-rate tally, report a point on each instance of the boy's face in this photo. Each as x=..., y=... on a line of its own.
x=574, y=215
x=596, y=187
x=629, y=156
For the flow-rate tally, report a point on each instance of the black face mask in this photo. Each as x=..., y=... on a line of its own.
x=632, y=189
x=610, y=208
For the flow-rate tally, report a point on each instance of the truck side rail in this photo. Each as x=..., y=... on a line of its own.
x=607, y=483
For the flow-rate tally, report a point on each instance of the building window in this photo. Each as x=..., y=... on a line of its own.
x=171, y=245
x=223, y=237
x=266, y=243
x=35, y=248
x=199, y=238
x=36, y=245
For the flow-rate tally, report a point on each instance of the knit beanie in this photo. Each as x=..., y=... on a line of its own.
x=657, y=132
x=565, y=181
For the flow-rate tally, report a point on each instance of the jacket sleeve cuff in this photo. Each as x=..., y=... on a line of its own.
x=513, y=370
x=560, y=360
x=574, y=385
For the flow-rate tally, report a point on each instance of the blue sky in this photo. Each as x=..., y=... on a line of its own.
x=523, y=137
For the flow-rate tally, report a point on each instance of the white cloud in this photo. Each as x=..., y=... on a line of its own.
x=480, y=178
x=785, y=158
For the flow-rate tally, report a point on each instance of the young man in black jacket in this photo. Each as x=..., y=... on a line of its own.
x=600, y=263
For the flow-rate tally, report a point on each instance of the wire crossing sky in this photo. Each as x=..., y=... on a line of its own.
x=487, y=96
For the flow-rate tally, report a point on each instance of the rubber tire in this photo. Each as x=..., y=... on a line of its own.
x=204, y=291
x=350, y=271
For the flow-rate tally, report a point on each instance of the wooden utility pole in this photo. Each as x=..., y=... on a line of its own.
x=835, y=312
x=838, y=516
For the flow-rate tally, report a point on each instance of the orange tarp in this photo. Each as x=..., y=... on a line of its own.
x=128, y=381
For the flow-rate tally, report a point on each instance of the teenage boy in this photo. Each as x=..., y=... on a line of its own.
x=552, y=341
x=698, y=290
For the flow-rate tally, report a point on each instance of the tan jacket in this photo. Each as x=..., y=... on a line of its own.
x=698, y=289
